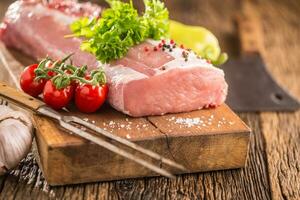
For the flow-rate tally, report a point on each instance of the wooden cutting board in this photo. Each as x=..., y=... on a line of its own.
x=204, y=140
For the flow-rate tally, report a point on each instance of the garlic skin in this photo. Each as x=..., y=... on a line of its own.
x=16, y=135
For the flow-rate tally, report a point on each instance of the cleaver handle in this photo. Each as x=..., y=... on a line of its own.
x=19, y=98
x=250, y=29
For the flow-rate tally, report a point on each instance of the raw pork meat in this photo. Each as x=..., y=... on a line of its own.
x=145, y=82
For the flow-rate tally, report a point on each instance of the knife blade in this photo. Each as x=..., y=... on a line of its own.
x=251, y=87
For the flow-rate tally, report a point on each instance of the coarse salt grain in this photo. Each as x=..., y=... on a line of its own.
x=189, y=122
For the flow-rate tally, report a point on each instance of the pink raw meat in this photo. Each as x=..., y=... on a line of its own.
x=145, y=82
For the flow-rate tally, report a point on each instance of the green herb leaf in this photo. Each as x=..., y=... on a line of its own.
x=156, y=18
x=120, y=27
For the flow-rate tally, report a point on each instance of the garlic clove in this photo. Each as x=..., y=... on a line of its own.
x=16, y=135
x=4, y=110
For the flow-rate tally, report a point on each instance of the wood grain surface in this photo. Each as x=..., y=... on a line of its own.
x=272, y=170
x=218, y=141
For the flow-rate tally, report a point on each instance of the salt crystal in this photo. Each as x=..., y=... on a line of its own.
x=122, y=125
x=128, y=136
x=189, y=122
x=93, y=122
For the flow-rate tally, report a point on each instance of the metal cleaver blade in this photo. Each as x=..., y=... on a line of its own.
x=252, y=89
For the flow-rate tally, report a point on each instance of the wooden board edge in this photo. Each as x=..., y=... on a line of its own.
x=55, y=153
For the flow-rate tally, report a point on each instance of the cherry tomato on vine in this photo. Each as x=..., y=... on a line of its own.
x=50, y=65
x=57, y=98
x=28, y=82
x=89, y=98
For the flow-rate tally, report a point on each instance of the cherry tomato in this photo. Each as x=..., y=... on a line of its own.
x=89, y=98
x=87, y=77
x=57, y=98
x=50, y=65
x=74, y=83
x=28, y=84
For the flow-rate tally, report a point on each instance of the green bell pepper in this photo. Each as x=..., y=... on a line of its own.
x=200, y=40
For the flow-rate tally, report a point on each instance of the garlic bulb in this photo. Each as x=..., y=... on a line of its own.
x=16, y=134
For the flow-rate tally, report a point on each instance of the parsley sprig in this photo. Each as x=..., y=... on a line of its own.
x=120, y=27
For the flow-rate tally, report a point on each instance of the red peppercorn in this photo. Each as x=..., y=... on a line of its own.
x=172, y=41
x=160, y=45
x=208, y=61
x=163, y=41
x=181, y=46
x=155, y=48
x=146, y=49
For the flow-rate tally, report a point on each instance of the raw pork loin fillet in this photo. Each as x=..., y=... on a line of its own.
x=145, y=82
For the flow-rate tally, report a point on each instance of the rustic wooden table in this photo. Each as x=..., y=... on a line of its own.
x=273, y=167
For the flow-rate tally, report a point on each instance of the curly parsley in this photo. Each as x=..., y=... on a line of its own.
x=156, y=17
x=120, y=27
